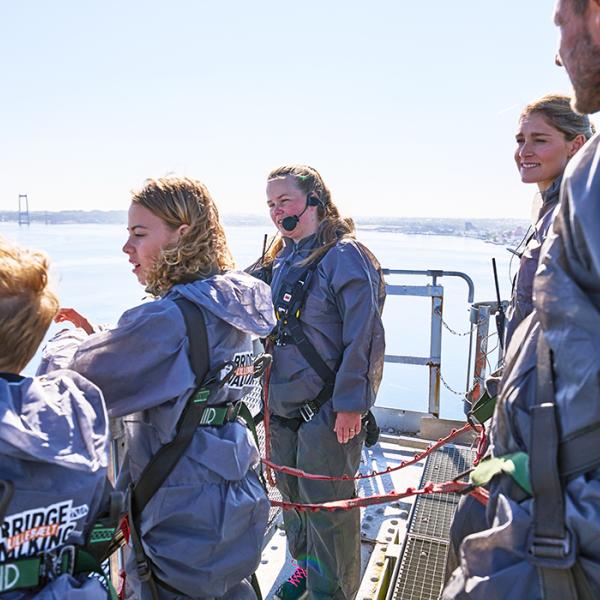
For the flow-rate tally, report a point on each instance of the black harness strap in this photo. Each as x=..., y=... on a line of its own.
x=198, y=340
x=195, y=414
x=35, y=572
x=551, y=546
x=163, y=462
x=580, y=451
x=6, y=494
x=159, y=468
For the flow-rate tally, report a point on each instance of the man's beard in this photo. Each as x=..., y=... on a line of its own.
x=585, y=75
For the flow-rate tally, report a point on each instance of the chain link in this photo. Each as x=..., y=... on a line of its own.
x=447, y=386
x=452, y=331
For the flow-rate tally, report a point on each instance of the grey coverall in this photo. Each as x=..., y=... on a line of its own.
x=203, y=530
x=494, y=563
x=521, y=303
x=470, y=515
x=341, y=317
x=54, y=449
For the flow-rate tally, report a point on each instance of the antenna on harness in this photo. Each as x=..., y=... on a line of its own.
x=257, y=268
x=500, y=316
x=264, y=250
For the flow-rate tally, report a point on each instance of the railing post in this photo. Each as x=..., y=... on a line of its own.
x=435, y=352
x=436, y=293
x=480, y=314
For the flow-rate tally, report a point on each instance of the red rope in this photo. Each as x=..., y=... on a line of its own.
x=448, y=487
x=481, y=445
x=266, y=418
x=405, y=463
x=429, y=488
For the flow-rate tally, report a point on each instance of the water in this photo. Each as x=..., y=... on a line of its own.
x=92, y=275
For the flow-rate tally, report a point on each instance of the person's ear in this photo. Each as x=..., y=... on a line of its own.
x=576, y=144
x=182, y=229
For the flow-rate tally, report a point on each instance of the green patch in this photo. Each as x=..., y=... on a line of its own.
x=516, y=465
x=201, y=396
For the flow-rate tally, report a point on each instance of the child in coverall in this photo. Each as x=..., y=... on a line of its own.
x=53, y=447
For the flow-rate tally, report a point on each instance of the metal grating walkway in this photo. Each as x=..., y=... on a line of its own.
x=420, y=573
x=432, y=518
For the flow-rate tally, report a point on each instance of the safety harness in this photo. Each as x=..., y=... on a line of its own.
x=288, y=305
x=30, y=573
x=551, y=461
x=36, y=572
x=197, y=413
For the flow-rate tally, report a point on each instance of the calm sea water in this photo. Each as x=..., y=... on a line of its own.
x=92, y=275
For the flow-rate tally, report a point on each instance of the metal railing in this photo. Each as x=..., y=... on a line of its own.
x=480, y=318
x=436, y=293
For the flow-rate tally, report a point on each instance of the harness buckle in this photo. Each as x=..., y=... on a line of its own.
x=66, y=559
x=306, y=412
x=143, y=569
x=552, y=552
x=57, y=562
x=233, y=411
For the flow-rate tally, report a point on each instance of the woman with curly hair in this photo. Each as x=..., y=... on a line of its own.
x=328, y=293
x=201, y=532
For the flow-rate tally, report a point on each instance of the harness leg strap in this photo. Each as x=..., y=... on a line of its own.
x=551, y=545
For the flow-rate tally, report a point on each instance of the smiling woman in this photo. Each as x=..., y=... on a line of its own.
x=550, y=133
x=328, y=352
x=542, y=151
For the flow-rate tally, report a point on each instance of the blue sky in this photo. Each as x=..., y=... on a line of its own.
x=407, y=108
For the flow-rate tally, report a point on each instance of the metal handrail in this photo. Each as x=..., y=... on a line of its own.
x=434, y=274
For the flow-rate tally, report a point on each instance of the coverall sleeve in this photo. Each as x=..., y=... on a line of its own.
x=355, y=285
x=142, y=362
x=59, y=350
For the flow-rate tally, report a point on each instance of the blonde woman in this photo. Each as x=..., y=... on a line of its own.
x=201, y=532
x=549, y=134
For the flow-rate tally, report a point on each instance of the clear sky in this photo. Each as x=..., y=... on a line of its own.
x=407, y=108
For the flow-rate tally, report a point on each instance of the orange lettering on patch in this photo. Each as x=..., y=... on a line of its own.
x=32, y=534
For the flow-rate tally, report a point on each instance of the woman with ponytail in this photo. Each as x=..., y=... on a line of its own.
x=328, y=349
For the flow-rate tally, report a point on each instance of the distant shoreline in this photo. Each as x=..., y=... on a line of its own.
x=507, y=232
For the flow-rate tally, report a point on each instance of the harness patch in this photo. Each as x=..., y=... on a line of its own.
x=9, y=575
x=31, y=532
x=244, y=370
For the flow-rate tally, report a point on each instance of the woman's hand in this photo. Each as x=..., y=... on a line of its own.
x=347, y=425
x=70, y=314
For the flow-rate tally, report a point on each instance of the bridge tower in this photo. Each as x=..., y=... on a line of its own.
x=23, y=210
